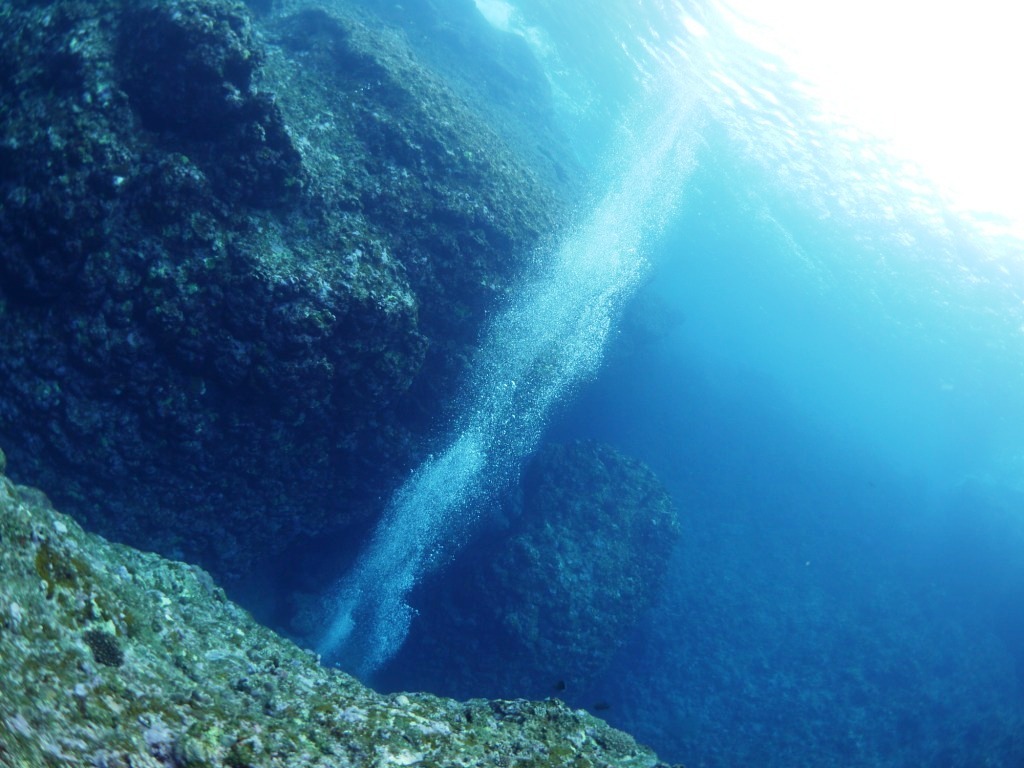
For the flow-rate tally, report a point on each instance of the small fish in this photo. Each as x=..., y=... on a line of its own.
x=560, y=685
x=602, y=706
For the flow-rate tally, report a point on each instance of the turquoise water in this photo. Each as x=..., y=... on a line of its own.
x=818, y=347
x=868, y=292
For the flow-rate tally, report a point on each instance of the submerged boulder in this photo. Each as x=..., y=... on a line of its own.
x=553, y=598
x=240, y=258
x=114, y=657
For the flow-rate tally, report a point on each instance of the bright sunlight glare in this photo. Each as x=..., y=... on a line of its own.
x=939, y=81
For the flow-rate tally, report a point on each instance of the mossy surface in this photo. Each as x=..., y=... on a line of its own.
x=120, y=658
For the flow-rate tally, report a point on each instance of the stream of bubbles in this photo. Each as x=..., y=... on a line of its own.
x=548, y=339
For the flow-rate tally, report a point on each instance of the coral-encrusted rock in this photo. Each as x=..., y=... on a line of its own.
x=188, y=68
x=238, y=259
x=556, y=596
x=112, y=657
x=188, y=65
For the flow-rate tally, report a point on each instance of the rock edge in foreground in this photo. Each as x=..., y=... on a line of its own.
x=114, y=657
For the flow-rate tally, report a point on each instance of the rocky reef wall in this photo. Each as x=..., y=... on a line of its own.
x=243, y=257
x=113, y=657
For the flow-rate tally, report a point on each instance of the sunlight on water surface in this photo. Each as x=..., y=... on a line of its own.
x=938, y=82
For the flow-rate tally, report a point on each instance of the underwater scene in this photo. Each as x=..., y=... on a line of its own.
x=511, y=383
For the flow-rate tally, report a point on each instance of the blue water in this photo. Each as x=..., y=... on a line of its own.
x=829, y=380
x=850, y=585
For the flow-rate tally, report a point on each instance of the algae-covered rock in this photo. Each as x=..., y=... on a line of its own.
x=241, y=258
x=505, y=79
x=555, y=596
x=114, y=657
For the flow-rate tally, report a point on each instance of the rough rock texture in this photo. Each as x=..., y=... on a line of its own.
x=502, y=81
x=113, y=657
x=556, y=595
x=241, y=258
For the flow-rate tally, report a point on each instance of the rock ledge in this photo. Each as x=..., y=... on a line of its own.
x=113, y=657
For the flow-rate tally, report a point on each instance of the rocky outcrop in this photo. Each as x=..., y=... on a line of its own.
x=550, y=600
x=241, y=258
x=113, y=657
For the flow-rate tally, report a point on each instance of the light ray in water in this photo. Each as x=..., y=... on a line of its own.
x=549, y=339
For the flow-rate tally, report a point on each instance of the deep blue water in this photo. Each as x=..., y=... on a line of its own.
x=850, y=588
x=824, y=363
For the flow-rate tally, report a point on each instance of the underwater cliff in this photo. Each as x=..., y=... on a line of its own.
x=247, y=253
x=655, y=361
x=245, y=256
x=114, y=657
